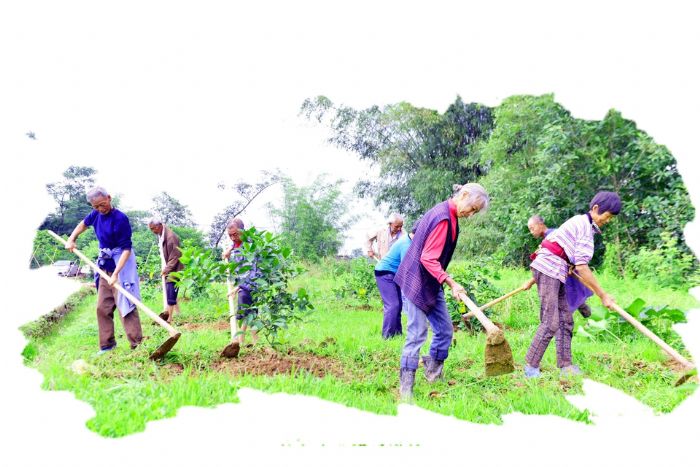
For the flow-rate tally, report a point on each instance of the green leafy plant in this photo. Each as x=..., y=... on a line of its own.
x=475, y=277
x=607, y=324
x=202, y=267
x=358, y=282
x=668, y=264
x=271, y=266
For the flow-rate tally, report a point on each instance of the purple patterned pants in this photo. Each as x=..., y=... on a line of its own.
x=555, y=321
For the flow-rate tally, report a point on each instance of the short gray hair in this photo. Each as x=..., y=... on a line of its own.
x=476, y=193
x=537, y=219
x=235, y=222
x=393, y=217
x=96, y=192
x=155, y=220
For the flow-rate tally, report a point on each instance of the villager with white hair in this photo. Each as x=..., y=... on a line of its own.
x=117, y=259
x=244, y=280
x=537, y=227
x=169, y=247
x=385, y=236
x=421, y=276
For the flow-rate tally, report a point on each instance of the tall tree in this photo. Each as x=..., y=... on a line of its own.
x=171, y=211
x=420, y=152
x=544, y=160
x=69, y=194
x=530, y=153
x=313, y=218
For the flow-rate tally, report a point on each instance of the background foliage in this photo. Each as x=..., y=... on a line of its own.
x=533, y=157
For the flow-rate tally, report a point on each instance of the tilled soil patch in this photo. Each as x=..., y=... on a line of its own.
x=269, y=363
x=674, y=365
x=212, y=325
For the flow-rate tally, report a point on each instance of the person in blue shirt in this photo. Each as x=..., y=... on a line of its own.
x=389, y=290
x=117, y=259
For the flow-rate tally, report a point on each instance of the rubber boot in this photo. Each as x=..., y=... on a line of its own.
x=408, y=380
x=432, y=369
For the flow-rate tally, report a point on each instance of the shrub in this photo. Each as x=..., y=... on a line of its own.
x=668, y=265
x=475, y=276
x=358, y=281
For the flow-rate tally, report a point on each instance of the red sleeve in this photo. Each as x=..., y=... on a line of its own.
x=432, y=249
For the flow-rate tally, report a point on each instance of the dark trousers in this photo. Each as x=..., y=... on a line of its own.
x=106, y=304
x=245, y=304
x=555, y=321
x=391, y=296
x=171, y=293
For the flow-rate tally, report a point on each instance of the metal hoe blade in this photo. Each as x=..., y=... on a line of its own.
x=231, y=350
x=165, y=347
x=498, y=356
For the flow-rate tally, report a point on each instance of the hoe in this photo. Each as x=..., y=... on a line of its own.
x=498, y=357
x=174, y=333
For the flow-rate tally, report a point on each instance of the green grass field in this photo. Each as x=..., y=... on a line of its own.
x=338, y=354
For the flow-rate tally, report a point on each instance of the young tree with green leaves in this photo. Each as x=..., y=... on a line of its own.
x=313, y=218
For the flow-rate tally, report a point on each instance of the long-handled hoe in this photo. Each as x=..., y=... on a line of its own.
x=174, y=333
x=470, y=314
x=498, y=357
x=687, y=365
x=232, y=349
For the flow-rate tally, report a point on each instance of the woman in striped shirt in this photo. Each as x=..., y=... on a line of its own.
x=570, y=244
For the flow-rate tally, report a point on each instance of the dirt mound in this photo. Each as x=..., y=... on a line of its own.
x=214, y=326
x=269, y=362
x=175, y=368
x=674, y=365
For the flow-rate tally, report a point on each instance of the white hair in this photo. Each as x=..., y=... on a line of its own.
x=477, y=194
x=235, y=222
x=535, y=219
x=394, y=217
x=155, y=220
x=96, y=192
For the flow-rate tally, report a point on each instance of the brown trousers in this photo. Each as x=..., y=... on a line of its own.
x=106, y=304
x=555, y=321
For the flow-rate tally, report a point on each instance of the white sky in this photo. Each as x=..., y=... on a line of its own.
x=179, y=96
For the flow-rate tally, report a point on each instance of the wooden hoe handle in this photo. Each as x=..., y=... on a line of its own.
x=171, y=330
x=493, y=302
x=478, y=314
x=644, y=330
x=232, y=303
